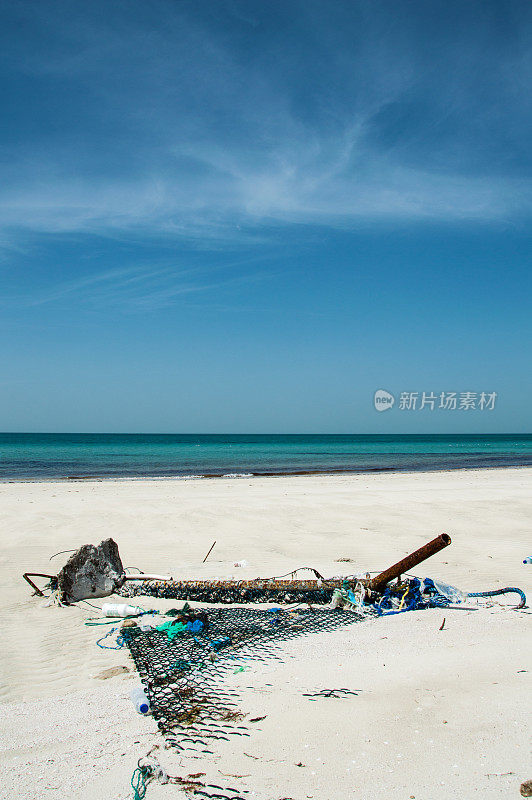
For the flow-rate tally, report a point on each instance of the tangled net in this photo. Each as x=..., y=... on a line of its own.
x=259, y=590
x=183, y=677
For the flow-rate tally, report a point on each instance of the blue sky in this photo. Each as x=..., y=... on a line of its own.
x=247, y=217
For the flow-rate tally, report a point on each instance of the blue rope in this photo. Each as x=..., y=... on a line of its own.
x=439, y=601
x=119, y=641
x=436, y=600
x=430, y=598
x=413, y=600
x=496, y=592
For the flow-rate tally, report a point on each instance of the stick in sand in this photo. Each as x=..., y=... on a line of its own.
x=208, y=554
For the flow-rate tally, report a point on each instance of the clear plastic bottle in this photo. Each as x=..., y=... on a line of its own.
x=120, y=610
x=140, y=700
x=527, y=560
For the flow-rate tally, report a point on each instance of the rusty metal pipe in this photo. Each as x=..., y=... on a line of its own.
x=406, y=564
x=26, y=577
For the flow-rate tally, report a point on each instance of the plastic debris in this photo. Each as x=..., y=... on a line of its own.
x=140, y=700
x=148, y=769
x=172, y=629
x=176, y=628
x=121, y=610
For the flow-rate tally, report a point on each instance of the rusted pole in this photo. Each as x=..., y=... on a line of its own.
x=406, y=564
x=208, y=554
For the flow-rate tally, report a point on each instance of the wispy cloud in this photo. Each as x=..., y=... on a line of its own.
x=181, y=127
x=142, y=288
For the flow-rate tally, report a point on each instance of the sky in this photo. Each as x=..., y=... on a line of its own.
x=239, y=216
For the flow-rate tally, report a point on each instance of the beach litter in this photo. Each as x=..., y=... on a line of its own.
x=91, y=572
x=338, y=693
x=148, y=769
x=386, y=593
x=183, y=677
x=140, y=700
x=121, y=610
x=182, y=656
x=97, y=572
x=209, y=552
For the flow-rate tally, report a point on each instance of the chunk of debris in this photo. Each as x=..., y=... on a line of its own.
x=91, y=572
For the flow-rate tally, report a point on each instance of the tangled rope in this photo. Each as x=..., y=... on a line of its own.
x=147, y=769
x=425, y=595
x=120, y=642
x=411, y=595
x=496, y=592
x=139, y=781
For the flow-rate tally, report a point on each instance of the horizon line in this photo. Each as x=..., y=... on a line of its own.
x=226, y=433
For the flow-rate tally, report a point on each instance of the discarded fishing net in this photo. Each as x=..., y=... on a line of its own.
x=184, y=676
x=259, y=590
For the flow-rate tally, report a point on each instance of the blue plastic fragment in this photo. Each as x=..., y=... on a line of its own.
x=217, y=644
x=195, y=627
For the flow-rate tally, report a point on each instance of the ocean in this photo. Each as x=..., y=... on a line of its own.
x=45, y=456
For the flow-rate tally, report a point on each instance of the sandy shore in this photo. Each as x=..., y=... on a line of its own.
x=440, y=715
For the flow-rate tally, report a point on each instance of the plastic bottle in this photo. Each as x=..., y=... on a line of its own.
x=139, y=700
x=120, y=610
x=527, y=560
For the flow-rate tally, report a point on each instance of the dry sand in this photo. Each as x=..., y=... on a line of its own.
x=440, y=715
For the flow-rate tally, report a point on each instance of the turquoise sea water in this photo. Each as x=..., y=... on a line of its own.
x=40, y=456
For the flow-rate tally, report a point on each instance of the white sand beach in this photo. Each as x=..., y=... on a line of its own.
x=439, y=715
